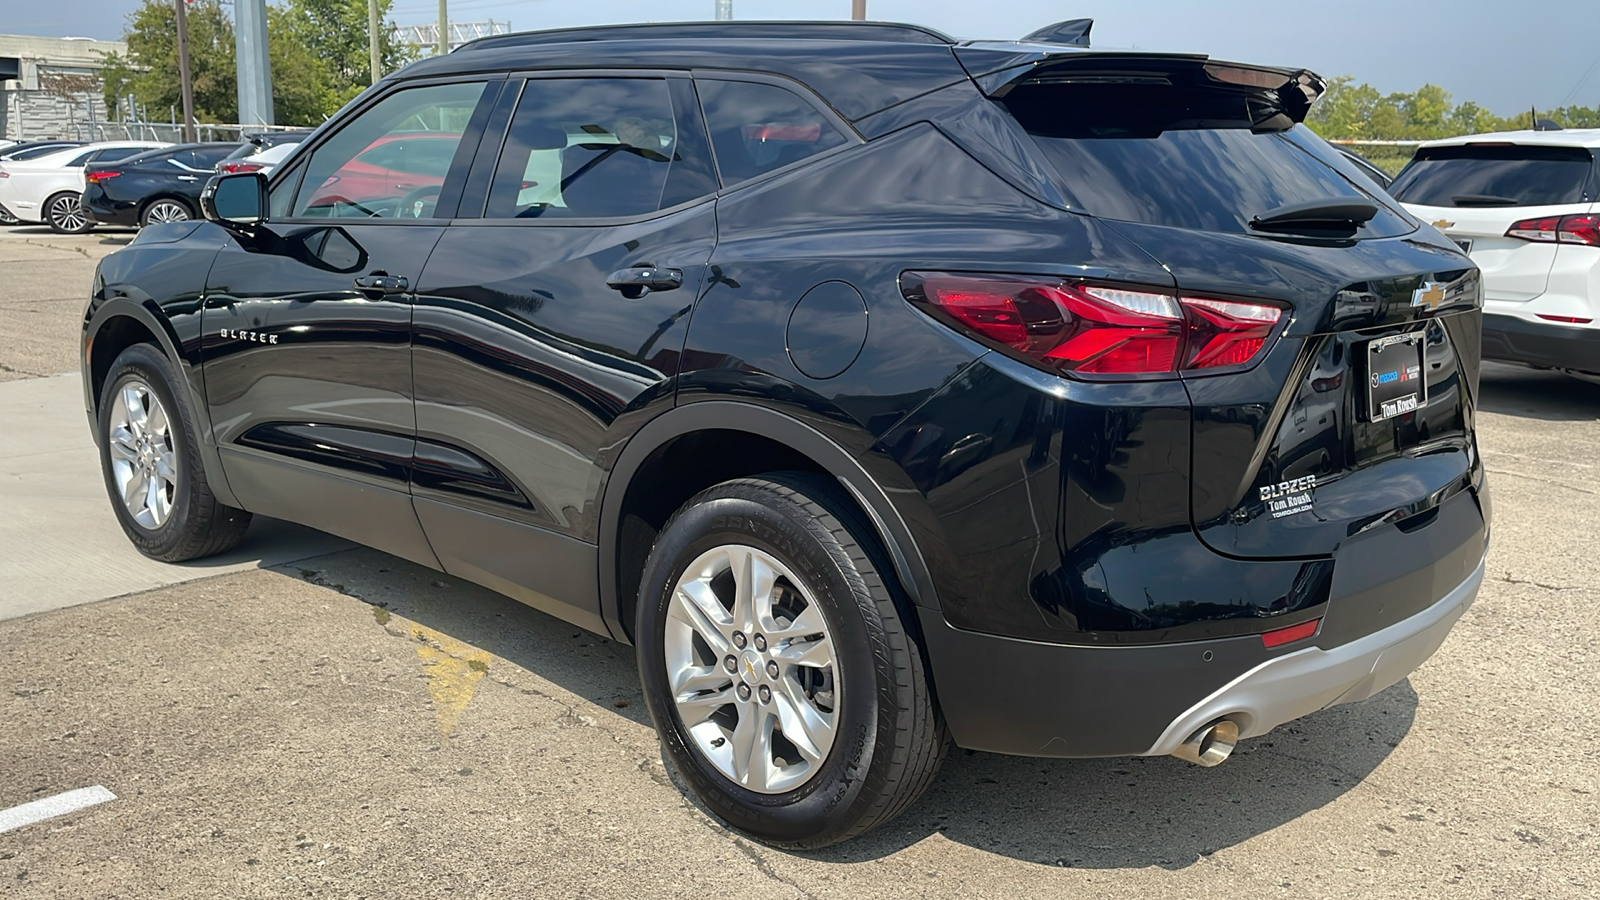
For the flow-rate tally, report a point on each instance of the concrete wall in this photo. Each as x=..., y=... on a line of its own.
x=29, y=113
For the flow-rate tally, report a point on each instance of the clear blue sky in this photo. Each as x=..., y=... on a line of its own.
x=1506, y=56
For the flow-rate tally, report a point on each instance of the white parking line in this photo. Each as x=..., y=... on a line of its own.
x=50, y=807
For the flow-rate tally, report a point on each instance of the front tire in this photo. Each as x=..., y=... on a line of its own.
x=150, y=458
x=783, y=679
x=64, y=214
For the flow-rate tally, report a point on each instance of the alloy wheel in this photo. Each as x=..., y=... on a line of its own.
x=66, y=214
x=143, y=458
x=751, y=665
x=163, y=211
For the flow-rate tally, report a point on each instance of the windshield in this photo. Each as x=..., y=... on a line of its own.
x=1208, y=160
x=1487, y=175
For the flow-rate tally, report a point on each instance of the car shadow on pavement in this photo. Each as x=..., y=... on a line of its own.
x=1537, y=394
x=1097, y=813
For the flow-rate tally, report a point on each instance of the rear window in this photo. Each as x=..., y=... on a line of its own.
x=1208, y=160
x=1479, y=175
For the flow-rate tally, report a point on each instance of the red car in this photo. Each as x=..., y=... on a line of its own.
x=404, y=167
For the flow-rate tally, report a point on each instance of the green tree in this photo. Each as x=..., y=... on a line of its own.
x=150, y=70
x=317, y=49
x=335, y=32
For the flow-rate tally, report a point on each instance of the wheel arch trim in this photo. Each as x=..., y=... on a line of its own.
x=716, y=415
x=148, y=315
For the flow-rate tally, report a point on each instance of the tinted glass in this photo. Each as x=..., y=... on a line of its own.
x=595, y=148
x=80, y=159
x=1476, y=175
x=338, y=182
x=1186, y=158
x=756, y=128
x=208, y=157
x=31, y=152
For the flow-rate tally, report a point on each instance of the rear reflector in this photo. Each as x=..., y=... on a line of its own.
x=1281, y=636
x=1570, y=320
x=1096, y=329
x=1583, y=229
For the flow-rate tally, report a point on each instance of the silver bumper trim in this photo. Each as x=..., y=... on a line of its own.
x=1286, y=688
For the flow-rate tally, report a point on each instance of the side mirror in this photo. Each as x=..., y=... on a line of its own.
x=237, y=200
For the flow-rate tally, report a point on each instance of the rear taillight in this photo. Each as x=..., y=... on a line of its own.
x=1583, y=229
x=1096, y=329
x=230, y=168
x=98, y=177
x=1569, y=320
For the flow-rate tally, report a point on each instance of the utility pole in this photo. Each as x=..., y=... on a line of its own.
x=376, y=61
x=724, y=10
x=858, y=10
x=253, y=65
x=184, y=87
x=444, y=27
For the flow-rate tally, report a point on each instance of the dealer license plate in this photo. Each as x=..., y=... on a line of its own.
x=1395, y=385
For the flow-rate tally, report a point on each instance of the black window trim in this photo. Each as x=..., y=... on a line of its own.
x=487, y=162
x=469, y=139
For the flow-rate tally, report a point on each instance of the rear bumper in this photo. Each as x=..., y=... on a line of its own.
x=1395, y=597
x=1513, y=339
x=1284, y=689
x=105, y=211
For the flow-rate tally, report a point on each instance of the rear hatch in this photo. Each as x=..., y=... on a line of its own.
x=1358, y=413
x=1478, y=192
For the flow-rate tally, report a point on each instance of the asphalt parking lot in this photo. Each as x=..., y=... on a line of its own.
x=307, y=718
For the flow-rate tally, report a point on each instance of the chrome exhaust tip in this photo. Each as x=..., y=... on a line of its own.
x=1211, y=745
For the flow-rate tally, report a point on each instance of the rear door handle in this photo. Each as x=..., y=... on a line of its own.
x=188, y=178
x=640, y=280
x=381, y=283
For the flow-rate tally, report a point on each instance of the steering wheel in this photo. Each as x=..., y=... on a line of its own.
x=415, y=205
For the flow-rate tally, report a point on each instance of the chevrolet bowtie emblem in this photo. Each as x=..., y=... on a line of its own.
x=1431, y=295
x=1442, y=224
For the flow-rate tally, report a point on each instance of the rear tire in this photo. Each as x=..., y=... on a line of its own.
x=64, y=213
x=149, y=455
x=842, y=663
x=165, y=210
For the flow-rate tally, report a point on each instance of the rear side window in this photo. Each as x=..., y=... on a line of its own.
x=1479, y=175
x=756, y=128
x=1164, y=154
x=581, y=148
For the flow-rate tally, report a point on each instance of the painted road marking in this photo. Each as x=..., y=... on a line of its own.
x=50, y=807
x=454, y=670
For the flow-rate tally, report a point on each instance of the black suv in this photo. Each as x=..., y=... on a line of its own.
x=880, y=389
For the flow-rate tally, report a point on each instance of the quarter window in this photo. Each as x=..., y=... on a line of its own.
x=756, y=128
x=390, y=161
x=596, y=148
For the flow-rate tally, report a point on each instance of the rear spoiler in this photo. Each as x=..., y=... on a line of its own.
x=998, y=66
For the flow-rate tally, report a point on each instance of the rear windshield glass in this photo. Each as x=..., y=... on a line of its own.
x=1163, y=155
x=1480, y=175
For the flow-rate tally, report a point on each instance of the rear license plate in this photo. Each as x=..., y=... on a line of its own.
x=1395, y=385
x=1465, y=245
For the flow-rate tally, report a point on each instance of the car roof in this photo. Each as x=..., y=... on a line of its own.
x=1572, y=137
x=173, y=148
x=54, y=157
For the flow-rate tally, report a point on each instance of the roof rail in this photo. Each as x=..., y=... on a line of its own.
x=890, y=32
x=1072, y=32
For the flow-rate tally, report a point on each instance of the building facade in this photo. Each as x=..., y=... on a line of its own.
x=51, y=87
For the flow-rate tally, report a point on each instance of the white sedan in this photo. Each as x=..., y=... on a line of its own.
x=1523, y=206
x=46, y=188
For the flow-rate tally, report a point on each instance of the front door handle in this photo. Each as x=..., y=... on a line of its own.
x=640, y=280
x=382, y=283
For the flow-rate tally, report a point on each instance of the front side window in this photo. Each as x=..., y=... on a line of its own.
x=391, y=161
x=581, y=148
x=756, y=128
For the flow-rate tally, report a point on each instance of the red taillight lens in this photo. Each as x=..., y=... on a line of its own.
x=98, y=177
x=1570, y=320
x=1279, y=637
x=229, y=168
x=1558, y=229
x=1096, y=329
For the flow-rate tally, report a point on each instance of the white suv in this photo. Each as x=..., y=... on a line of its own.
x=1523, y=205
